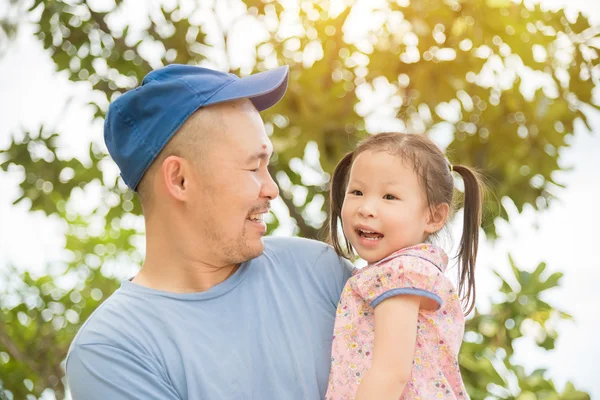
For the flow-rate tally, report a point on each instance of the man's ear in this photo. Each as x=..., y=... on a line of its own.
x=438, y=215
x=174, y=173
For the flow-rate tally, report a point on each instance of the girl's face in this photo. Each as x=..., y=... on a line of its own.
x=385, y=208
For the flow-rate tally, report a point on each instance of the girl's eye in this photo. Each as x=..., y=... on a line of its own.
x=390, y=197
x=356, y=192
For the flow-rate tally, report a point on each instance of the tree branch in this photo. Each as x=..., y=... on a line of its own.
x=14, y=351
x=306, y=230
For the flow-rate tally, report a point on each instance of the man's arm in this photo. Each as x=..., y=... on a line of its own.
x=100, y=372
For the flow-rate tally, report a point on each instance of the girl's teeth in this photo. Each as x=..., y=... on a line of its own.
x=370, y=235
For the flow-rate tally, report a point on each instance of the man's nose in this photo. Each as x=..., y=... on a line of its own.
x=270, y=189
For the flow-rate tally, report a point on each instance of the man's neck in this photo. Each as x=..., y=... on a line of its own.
x=170, y=277
x=173, y=267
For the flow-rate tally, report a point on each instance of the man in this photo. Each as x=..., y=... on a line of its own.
x=216, y=312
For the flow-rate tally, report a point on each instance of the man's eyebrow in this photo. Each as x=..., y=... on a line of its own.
x=261, y=155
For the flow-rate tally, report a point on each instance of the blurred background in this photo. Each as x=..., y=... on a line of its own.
x=510, y=87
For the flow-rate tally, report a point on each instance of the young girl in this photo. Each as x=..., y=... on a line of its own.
x=399, y=323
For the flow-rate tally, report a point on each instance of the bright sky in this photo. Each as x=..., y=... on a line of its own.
x=31, y=93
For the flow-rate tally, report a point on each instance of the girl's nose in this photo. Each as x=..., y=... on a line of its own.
x=367, y=210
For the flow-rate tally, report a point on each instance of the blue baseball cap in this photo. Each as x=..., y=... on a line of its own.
x=140, y=122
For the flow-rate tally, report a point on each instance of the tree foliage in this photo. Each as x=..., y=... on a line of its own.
x=506, y=80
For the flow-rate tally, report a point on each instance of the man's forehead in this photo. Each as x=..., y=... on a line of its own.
x=230, y=108
x=264, y=152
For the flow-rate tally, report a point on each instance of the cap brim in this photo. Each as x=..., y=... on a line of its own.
x=264, y=89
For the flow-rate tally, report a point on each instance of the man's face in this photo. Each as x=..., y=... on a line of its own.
x=233, y=187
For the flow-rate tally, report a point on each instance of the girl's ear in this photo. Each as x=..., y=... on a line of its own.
x=438, y=216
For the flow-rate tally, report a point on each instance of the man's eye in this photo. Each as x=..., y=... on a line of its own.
x=390, y=197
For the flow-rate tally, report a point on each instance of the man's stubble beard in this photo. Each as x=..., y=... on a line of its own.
x=234, y=251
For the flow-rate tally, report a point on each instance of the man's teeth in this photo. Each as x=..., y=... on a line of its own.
x=256, y=217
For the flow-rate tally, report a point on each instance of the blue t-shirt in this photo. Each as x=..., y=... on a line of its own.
x=264, y=333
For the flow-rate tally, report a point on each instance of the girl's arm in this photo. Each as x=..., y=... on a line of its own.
x=393, y=350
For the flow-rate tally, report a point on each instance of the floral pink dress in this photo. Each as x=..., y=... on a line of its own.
x=417, y=270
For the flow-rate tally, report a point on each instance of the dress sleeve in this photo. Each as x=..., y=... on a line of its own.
x=400, y=275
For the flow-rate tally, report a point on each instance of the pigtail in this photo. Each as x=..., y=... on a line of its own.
x=337, y=192
x=469, y=241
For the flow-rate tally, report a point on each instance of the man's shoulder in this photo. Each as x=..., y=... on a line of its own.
x=294, y=242
x=110, y=323
x=297, y=248
x=312, y=265
x=301, y=251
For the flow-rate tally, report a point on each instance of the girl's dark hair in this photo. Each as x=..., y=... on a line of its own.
x=434, y=173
